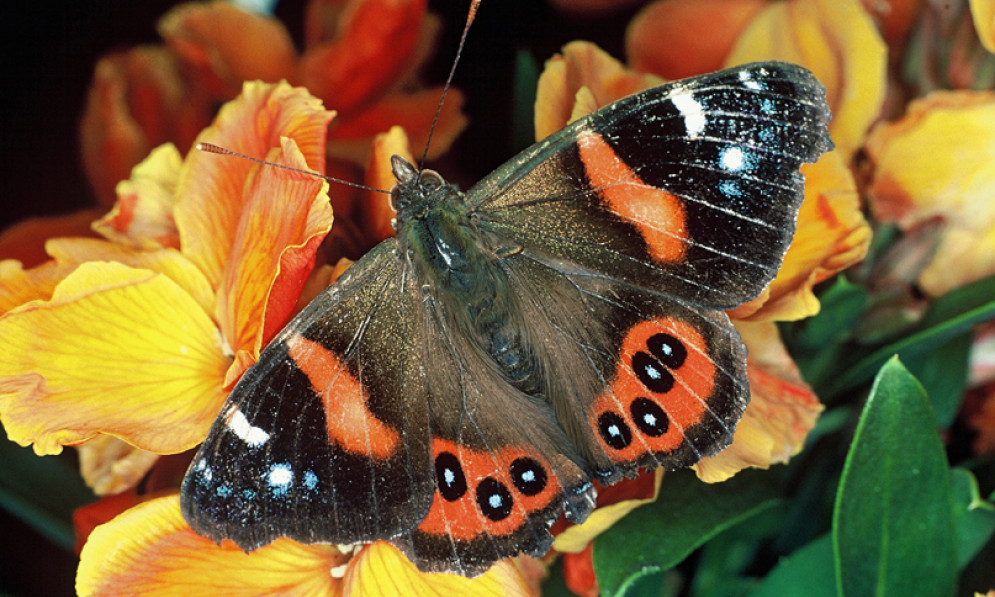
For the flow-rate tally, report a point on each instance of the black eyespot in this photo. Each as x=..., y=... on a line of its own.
x=494, y=499
x=528, y=476
x=614, y=431
x=449, y=477
x=649, y=417
x=651, y=373
x=667, y=349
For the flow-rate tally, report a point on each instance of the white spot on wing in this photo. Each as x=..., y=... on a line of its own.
x=691, y=110
x=732, y=159
x=280, y=475
x=248, y=433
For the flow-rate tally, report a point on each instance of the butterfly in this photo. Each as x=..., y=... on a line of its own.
x=463, y=384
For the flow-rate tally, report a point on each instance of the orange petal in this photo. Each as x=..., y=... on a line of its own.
x=578, y=572
x=983, y=14
x=782, y=409
x=832, y=235
x=380, y=569
x=582, y=69
x=25, y=241
x=150, y=550
x=922, y=171
x=143, y=214
x=377, y=212
x=110, y=466
x=285, y=217
x=117, y=350
x=836, y=40
x=699, y=35
x=375, y=43
x=211, y=188
x=349, y=138
x=224, y=45
x=18, y=286
x=88, y=517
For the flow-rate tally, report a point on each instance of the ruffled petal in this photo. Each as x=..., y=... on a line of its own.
x=380, y=569
x=375, y=43
x=117, y=350
x=699, y=34
x=110, y=466
x=223, y=45
x=142, y=216
x=922, y=171
x=25, y=240
x=18, y=286
x=583, y=70
x=782, y=409
x=211, y=188
x=285, y=217
x=832, y=235
x=150, y=550
x=836, y=40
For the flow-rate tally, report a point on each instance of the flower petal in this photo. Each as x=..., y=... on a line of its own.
x=18, y=286
x=150, y=550
x=699, y=34
x=117, y=350
x=782, y=409
x=836, y=40
x=223, y=45
x=582, y=68
x=377, y=213
x=380, y=569
x=923, y=171
x=983, y=14
x=832, y=235
x=285, y=217
x=211, y=188
x=143, y=213
x=25, y=241
x=110, y=466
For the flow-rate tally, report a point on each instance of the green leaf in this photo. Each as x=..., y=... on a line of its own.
x=943, y=373
x=43, y=491
x=894, y=499
x=523, y=100
x=974, y=518
x=686, y=514
x=808, y=571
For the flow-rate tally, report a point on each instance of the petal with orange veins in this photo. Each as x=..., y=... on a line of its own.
x=983, y=14
x=142, y=216
x=832, y=235
x=25, y=241
x=377, y=212
x=18, y=285
x=211, y=190
x=118, y=351
x=838, y=42
x=285, y=217
x=225, y=45
x=349, y=138
x=632, y=493
x=782, y=409
x=582, y=69
x=379, y=569
x=699, y=34
x=110, y=466
x=150, y=550
x=375, y=43
x=922, y=171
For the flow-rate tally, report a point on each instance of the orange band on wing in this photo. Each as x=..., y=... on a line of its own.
x=351, y=425
x=658, y=215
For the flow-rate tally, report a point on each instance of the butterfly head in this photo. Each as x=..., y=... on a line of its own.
x=417, y=191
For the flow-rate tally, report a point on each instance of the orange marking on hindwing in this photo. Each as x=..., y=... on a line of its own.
x=684, y=403
x=351, y=425
x=659, y=216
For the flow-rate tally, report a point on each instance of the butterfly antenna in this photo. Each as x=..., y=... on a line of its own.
x=211, y=148
x=474, y=5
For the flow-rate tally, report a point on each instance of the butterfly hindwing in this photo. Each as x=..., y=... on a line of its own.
x=326, y=438
x=691, y=188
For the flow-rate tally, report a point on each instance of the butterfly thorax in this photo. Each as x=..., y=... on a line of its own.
x=452, y=257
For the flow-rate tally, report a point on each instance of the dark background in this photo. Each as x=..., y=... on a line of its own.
x=48, y=59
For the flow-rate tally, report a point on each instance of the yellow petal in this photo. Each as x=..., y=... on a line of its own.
x=211, y=190
x=983, y=13
x=377, y=213
x=836, y=40
x=150, y=550
x=284, y=218
x=142, y=216
x=832, y=235
x=110, y=466
x=575, y=539
x=18, y=286
x=922, y=171
x=117, y=350
x=380, y=569
x=781, y=412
